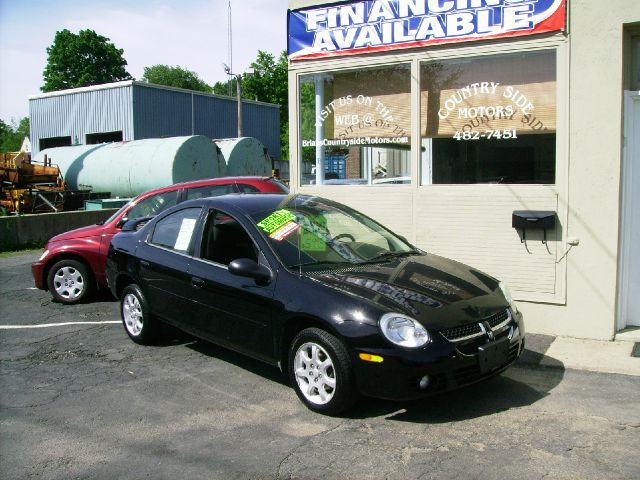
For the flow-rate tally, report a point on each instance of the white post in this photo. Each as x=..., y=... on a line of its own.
x=319, y=85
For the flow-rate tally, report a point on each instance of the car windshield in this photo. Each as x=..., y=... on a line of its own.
x=118, y=212
x=314, y=233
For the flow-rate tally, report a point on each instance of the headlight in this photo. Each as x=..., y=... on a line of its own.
x=508, y=297
x=403, y=331
x=44, y=254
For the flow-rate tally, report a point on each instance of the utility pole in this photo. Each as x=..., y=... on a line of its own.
x=238, y=78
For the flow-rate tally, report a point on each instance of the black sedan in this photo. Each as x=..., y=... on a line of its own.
x=336, y=300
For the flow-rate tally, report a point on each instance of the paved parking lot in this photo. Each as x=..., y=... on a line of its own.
x=83, y=401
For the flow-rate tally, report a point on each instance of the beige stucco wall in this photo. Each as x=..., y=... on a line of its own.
x=595, y=133
x=579, y=296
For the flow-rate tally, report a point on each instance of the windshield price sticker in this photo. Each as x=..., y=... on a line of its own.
x=283, y=232
x=276, y=220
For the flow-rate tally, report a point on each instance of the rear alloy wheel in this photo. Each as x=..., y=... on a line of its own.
x=138, y=323
x=70, y=281
x=320, y=372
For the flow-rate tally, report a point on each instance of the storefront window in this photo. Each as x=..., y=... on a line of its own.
x=355, y=127
x=489, y=119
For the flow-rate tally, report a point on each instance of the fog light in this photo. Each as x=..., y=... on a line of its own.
x=424, y=382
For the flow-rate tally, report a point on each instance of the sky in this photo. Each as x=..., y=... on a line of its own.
x=191, y=34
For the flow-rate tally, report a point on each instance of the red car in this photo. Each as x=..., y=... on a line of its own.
x=73, y=264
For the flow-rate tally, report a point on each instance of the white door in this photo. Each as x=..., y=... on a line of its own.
x=629, y=305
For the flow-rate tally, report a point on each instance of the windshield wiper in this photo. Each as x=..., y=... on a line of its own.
x=389, y=255
x=319, y=263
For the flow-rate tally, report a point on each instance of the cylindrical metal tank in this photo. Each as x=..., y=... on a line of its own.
x=245, y=156
x=128, y=168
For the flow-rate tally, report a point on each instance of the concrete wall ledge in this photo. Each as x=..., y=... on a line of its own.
x=27, y=231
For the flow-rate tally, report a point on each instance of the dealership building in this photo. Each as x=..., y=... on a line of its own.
x=501, y=133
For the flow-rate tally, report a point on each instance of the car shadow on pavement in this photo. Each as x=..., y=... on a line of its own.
x=523, y=384
x=252, y=365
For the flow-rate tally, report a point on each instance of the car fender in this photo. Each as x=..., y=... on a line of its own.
x=86, y=250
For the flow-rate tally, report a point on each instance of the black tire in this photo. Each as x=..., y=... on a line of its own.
x=316, y=378
x=139, y=324
x=70, y=281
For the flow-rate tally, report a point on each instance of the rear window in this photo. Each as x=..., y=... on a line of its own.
x=210, y=191
x=280, y=185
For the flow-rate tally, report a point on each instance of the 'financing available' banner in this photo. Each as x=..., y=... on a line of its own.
x=381, y=25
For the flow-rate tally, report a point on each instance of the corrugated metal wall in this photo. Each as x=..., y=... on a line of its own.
x=143, y=111
x=161, y=112
x=81, y=112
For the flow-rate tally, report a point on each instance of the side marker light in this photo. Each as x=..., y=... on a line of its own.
x=367, y=357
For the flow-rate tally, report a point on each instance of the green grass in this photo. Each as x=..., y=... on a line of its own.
x=19, y=252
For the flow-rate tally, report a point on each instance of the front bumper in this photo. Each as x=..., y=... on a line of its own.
x=448, y=365
x=37, y=270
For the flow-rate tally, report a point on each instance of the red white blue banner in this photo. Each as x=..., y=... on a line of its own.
x=351, y=28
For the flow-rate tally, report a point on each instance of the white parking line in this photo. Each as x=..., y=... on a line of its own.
x=47, y=325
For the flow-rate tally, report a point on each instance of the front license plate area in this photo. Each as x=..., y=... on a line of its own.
x=493, y=355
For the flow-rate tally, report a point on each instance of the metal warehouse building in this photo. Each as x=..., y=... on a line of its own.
x=131, y=110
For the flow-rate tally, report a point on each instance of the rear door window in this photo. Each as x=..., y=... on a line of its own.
x=245, y=188
x=175, y=231
x=210, y=191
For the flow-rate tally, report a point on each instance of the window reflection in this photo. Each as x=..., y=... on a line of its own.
x=355, y=127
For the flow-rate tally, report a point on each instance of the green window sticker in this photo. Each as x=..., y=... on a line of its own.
x=276, y=220
x=310, y=242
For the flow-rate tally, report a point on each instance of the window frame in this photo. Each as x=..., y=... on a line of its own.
x=333, y=70
x=558, y=42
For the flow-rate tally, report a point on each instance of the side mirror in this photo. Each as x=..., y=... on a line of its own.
x=245, y=267
x=135, y=224
x=121, y=222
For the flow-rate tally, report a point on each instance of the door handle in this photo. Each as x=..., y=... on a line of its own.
x=197, y=282
x=144, y=263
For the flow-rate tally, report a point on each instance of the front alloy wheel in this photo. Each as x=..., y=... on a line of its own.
x=315, y=374
x=320, y=371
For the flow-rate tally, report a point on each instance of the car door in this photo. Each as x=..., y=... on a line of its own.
x=164, y=262
x=231, y=310
x=147, y=207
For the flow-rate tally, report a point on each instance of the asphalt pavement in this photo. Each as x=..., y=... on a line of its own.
x=78, y=399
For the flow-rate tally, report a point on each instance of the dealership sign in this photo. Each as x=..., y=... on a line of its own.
x=382, y=25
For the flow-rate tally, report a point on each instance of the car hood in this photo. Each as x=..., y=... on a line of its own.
x=438, y=292
x=83, y=232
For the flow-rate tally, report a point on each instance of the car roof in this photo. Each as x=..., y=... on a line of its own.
x=251, y=179
x=248, y=203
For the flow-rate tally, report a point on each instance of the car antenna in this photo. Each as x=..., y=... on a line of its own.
x=295, y=206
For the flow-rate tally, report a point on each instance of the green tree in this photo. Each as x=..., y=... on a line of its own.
x=83, y=59
x=269, y=83
x=12, y=135
x=175, y=77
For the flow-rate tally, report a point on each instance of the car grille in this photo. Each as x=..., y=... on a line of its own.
x=473, y=329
